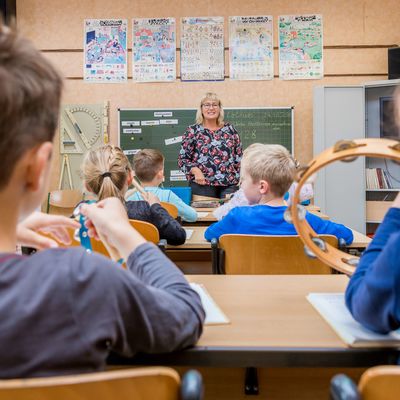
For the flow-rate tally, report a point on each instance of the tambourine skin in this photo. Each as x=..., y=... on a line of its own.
x=344, y=150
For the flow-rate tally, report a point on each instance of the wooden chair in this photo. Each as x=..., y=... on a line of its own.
x=147, y=230
x=171, y=208
x=141, y=383
x=272, y=255
x=377, y=383
x=63, y=201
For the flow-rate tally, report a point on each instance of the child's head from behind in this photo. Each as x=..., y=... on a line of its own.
x=107, y=172
x=148, y=165
x=30, y=91
x=266, y=169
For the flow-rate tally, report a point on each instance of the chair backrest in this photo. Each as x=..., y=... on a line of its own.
x=147, y=230
x=271, y=255
x=376, y=383
x=63, y=201
x=380, y=383
x=141, y=383
x=171, y=208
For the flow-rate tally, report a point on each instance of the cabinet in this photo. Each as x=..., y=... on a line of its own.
x=351, y=112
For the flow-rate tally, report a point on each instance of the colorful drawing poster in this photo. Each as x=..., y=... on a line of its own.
x=154, y=49
x=105, y=50
x=251, y=49
x=202, y=49
x=300, y=47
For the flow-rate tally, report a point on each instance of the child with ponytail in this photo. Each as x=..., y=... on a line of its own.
x=108, y=173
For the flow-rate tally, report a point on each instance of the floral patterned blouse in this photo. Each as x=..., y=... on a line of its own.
x=216, y=153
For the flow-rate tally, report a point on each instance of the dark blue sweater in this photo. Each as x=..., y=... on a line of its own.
x=63, y=311
x=373, y=294
x=267, y=220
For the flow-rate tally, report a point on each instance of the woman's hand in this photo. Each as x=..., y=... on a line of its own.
x=107, y=220
x=198, y=176
x=28, y=231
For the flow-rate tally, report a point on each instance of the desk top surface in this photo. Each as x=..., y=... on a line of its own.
x=271, y=325
x=210, y=218
x=270, y=311
x=197, y=240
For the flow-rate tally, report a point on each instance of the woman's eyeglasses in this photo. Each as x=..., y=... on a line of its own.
x=210, y=105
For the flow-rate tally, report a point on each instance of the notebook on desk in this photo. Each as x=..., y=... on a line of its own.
x=189, y=233
x=332, y=308
x=214, y=315
x=202, y=214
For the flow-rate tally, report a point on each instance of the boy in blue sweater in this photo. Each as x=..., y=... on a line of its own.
x=266, y=174
x=373, y=294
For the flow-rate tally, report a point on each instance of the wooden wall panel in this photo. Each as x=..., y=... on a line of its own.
x=356, y=36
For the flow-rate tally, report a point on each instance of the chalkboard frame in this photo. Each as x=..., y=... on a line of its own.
x=166, y=110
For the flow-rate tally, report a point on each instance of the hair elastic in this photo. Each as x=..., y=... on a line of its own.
x=106, y=174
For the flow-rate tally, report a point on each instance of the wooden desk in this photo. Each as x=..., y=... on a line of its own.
x=197, y=240
x=210, y=218
x=360, y=241
x=272, y=325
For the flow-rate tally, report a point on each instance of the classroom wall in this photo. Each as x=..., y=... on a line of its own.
x=357, y=34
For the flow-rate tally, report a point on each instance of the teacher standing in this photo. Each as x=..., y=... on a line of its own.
x=211, y=151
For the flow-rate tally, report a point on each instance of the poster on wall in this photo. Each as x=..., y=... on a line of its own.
x=300, y=47
x=251, y=50
x=202, y=49
x=105, y=50
x=154, y=50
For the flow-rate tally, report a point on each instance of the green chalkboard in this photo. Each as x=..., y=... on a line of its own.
x=162, y=129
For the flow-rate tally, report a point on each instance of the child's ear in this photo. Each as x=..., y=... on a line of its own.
x=264, y=187
x=130, y=178
x=38, y=166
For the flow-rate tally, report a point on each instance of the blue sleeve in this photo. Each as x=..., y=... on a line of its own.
x=188, y=214
x=373, y=294
x=228, y=224
x=324, y=227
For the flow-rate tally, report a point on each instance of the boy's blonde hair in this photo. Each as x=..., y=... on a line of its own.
x=212, y=97
x=272, y=163
x=105, y=171
x=147, y=163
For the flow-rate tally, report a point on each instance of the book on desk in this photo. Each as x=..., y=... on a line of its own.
x=332, y=308
x=214, y=315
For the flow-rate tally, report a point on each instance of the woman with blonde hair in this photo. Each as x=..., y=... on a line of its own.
x=108, y=173
x=211, y=151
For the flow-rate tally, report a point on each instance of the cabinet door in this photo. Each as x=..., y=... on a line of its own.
x=339, y=113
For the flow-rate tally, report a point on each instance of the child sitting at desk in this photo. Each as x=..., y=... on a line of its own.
x=267, y=172
x=107, y=173
x=63, y=311
x=148, y=165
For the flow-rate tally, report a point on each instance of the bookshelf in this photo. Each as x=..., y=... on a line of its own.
x=385, y=173
x=342, y=189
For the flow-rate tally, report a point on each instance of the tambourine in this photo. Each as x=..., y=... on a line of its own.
x=344, y=150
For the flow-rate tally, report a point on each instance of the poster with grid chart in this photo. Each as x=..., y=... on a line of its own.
x=251, y=48
x=202, y=48
x=300, y=47
x=105, y=51
x=154, y=49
